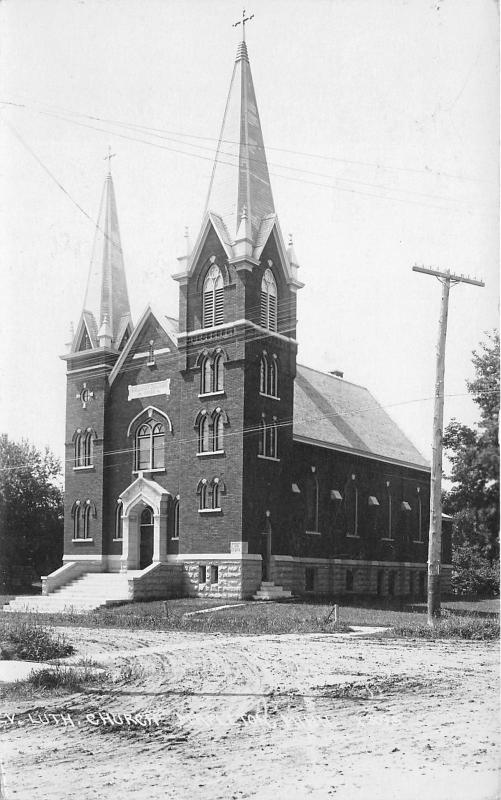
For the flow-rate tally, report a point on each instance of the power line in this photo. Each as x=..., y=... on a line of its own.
x=252, y=429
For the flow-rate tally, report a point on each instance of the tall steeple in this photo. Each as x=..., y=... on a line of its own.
x=240, y=184
x=106, y=317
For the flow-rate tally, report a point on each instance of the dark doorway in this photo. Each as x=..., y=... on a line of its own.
x=146, y=538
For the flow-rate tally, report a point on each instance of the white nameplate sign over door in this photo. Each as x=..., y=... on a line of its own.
x=149, y=389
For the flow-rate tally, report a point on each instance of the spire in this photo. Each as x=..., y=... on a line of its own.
x=240, y=179
x=106, y=306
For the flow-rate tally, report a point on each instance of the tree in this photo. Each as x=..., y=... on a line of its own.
x=31, y=511
x=473, y=500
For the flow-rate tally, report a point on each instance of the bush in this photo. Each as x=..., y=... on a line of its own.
x=471, y=627
x=34, y=643
x=473, y=573
x=72, y=680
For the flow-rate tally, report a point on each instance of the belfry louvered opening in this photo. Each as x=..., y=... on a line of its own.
x=268, y=316
x=213, y=298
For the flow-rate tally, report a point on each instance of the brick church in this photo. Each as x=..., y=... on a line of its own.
x=201, y=458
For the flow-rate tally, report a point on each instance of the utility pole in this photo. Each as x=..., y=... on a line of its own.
x=435, y=535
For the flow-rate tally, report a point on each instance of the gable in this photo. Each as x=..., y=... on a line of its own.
x=153, y=341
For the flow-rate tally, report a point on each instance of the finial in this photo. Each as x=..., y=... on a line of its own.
x=290, y=240
x=72, y=330
x=108, y=159
x=242, y=23
x=244, y=212
x=188, y=242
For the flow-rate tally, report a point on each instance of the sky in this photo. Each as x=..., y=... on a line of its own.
x=380, y=122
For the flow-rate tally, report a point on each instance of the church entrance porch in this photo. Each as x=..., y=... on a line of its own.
x=144, y=518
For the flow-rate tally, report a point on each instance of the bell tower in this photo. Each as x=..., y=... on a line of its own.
x=104, y=326
x=237, y=311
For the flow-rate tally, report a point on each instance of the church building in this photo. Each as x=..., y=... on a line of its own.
x=201, y=458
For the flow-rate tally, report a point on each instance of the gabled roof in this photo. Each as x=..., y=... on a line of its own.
x=168, y=324
x=335, y=413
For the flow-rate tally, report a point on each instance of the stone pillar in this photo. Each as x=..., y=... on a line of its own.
x=130, y=544
x=159, y=538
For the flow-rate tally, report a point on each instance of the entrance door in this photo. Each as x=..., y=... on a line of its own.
x=146, y=540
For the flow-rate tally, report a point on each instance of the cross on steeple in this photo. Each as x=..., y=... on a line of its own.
x=108, y=159
x=242, y=23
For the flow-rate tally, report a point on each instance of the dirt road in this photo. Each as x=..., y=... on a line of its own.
x=269, y=717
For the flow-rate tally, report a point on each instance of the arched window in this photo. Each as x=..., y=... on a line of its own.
x=215, y=494
x=118, y=521
x=147, y=516
x=143, y=439
x=86, y=520
x=79, y=449
x=206, y=376
x=150, y=446
x=202, y=495
x=88, y=449
x=213, y=298
x=351, y=506
x=273, y=377
x=262, y=438
x=218, y=431
x=419, y=512
x=272, y=439
x=76, y=519
x=158, y=449
x=175, y=519
x=312, y=498
x=203, y=434
x=263, y=374
x=218, y=373
x=269, y=301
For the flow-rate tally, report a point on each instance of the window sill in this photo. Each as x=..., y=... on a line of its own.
x=209, y=510
x=117, y=540
x=387, y=539
x=418, y=541
x=174, y=538
x=353, y=536
x=88, y=468
x=155, y=469
x=88, y=541
x=268, y=458
x=270, y=396
x=211, y=453
x=218, y=393
x=313, y=533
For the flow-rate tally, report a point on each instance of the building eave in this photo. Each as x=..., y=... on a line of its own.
x=361, y=453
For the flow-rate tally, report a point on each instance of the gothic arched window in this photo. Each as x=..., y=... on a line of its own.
x=175, y=519
x=79, y=449
x=205, y=376
x=269, y=293
x=213, y=298
x=75, y=512
x=150, y=446
x=218, y=431
x=217, y=373
x=312, y=501
x=88, y=449
x=86, y=520
x=118, y=521
x=263, y=374
x=203, y=495
x=203, y=434
x=215, y=494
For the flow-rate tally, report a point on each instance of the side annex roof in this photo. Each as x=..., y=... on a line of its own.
x=334, y=413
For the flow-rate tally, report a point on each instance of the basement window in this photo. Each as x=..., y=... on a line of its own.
x=309, y=579
x=214, y=574
x=202, y=573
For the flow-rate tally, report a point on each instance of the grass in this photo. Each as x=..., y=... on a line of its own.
x=299, y=616
x=29, y=641
x=451, y=627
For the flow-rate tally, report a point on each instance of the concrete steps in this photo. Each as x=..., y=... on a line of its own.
x=86, y=593
x=270, y=591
